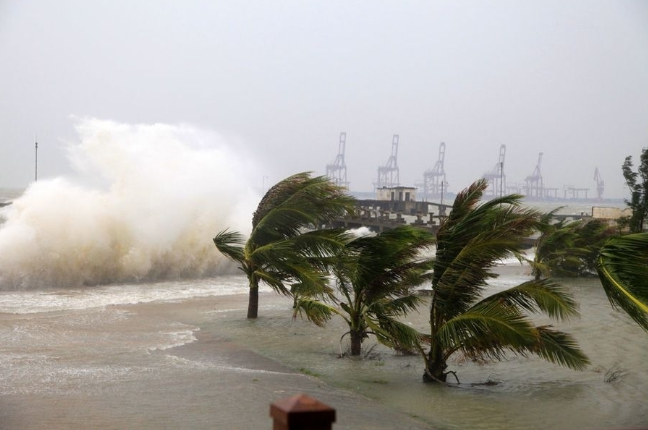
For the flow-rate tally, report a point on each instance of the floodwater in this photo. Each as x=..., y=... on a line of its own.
x=182, y=355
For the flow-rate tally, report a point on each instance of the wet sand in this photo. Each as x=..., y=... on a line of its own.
x=213, y=383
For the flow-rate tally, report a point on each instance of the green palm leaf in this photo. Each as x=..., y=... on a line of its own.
x=315, y=311
x=282, y=247
x=622, y=267
x=471, y=242
x=486, y=331
x=559, y=348
x=394, y=334
x=538, y=296
x=231, y=244
x=374, y=277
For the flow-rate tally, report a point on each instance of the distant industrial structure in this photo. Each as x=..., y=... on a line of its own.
x=496, y=177
x=388, y=174
x=337, y=170
x=435, y=184
x=600, y=185
x=434, y=179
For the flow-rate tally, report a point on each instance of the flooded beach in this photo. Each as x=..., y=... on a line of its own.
x=183, y=355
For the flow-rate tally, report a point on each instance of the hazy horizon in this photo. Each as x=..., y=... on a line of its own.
x=278, y=81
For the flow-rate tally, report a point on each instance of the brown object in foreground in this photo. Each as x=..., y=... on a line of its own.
x=301, y=412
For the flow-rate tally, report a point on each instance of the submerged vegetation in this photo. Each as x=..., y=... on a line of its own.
x=279, y=249
x=369, y=280
x=472, y=240
x=374, y=277
x=568, y=249
x=622, y=266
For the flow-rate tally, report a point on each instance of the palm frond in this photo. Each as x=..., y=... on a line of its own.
x=487, y=331
x=315, y=311
x=390, y=263
x=231, y=243
x=542, y=295
x=559, y=348
x=472, y=241
x=394, y=334
x=297, y=202
x=398, y=306
x=622, y=267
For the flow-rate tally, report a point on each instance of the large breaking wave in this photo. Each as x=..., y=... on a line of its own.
x=144, y=204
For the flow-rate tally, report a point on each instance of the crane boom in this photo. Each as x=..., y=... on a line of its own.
x=337, y=171
x=388, y=174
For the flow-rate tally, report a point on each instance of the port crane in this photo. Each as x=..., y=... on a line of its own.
x=496, y=177
x=337, y=170
x=600, y=185
x=534, y=184
x=434, y=179
x=388, y=174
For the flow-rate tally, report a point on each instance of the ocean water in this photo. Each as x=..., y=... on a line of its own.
x=116, y=311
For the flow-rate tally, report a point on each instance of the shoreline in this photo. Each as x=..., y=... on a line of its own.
x=259, y=380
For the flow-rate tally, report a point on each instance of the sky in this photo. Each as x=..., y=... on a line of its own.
x=280, y=80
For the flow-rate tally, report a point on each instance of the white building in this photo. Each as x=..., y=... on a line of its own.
x=396, y=194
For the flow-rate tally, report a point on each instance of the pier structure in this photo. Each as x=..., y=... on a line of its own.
x=379, y=215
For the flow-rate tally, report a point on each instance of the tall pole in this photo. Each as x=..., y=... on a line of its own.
x=36, y=160
x=501, y=177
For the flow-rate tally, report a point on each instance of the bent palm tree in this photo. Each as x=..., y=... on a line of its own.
x=568, y=248
x=278, y=250
x=622, y=266
x=375, y=276
x=472, y=240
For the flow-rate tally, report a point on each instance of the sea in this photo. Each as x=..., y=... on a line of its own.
x=116, y=311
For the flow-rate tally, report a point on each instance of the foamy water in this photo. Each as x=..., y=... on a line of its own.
x=36, y=301
x=144, y=204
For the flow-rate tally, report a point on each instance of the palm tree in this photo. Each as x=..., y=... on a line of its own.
x=622, y=266
x=568, y=248
x=472, y=240
x=374, y=279
x=281, y=249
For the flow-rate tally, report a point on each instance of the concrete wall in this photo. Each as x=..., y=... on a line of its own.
x=602, y=212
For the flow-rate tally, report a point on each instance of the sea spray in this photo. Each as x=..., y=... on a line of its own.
x=144, y=204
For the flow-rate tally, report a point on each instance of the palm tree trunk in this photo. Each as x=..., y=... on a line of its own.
x=356, y=341
x=436, y=366
x=253, y=302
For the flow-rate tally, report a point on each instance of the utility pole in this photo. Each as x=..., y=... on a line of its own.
x=36, y=159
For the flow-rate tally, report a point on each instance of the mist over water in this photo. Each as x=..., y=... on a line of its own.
x=143, y=206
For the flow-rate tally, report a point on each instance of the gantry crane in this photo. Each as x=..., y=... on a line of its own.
x=388, y=175
x=434, y=179
x=600, y=185
x=496, y=177
x=337, y=171
x=534, y=184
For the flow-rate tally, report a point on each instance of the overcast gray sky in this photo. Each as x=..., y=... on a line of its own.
x=282, y=79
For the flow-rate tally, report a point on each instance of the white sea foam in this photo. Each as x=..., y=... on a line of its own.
x=145, y=203
x=26, y=302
